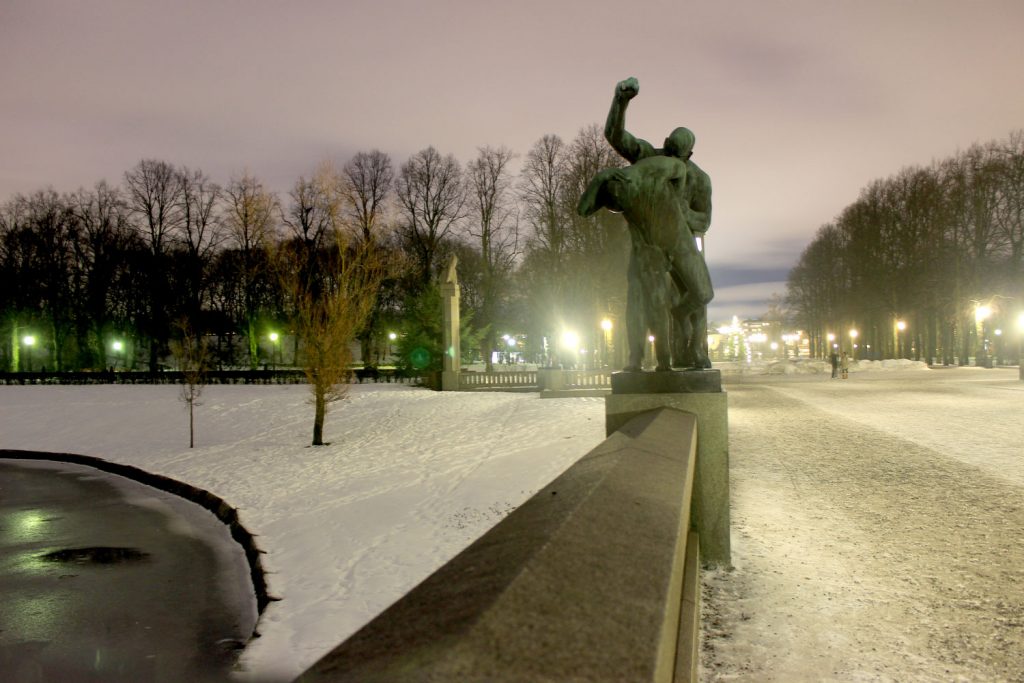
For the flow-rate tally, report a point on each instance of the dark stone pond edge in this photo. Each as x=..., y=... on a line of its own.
x=218, y=506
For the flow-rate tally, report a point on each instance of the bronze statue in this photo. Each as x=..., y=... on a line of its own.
x=666, y=199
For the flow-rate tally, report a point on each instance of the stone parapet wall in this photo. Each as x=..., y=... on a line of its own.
x=590, y=579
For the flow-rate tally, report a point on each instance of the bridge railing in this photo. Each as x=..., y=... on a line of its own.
x=587, y=379
x=519, y=379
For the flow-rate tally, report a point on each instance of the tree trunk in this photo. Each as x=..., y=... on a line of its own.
x=191, y=425
x=15, y=347
x=254, y=344
x=487, y=345
x=318, y=421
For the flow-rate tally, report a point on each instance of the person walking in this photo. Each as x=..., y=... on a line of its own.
x=844, y=365
x=834, y=359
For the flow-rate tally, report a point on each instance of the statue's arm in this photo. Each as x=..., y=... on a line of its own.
x=698, y=213
x=615, y=131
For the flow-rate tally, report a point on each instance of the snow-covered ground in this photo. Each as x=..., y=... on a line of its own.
x=876, y=520
x=410, y=478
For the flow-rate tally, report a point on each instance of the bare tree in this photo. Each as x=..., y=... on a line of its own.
x=369, y=179
x=541, y=189
x=1009, y=210
x=313, y=212
x=495, y=226
x=576, y=266
x=312, y=218
x=154, y=198
x=431, y=195
x=191, y=353
x=101, y=215
x=201, y=234
x=250, y=220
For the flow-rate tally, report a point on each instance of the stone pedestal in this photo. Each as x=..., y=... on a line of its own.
x=550, y=379
x=700, y=393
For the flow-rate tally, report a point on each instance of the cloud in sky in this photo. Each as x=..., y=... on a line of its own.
x=796, y=104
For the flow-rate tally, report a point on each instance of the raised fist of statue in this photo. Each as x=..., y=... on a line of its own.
x=627, y=89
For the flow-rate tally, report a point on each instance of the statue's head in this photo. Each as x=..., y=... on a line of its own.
x=679, y=143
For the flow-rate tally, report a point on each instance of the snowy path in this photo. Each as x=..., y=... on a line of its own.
x=876, y=529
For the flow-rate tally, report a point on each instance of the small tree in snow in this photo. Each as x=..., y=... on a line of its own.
x=191, y=352
x=330, y=310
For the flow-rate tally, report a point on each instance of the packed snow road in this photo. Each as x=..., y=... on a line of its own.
x=877, y=530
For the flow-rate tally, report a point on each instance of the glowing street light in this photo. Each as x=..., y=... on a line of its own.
x=981, y=314
x=571, y=342
x=392, y=336
x=29, y=341
x=901, y=326
x=606, y=325
x=274, y=338
x=118, y=347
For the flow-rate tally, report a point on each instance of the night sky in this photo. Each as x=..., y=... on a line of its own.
x=796, y=105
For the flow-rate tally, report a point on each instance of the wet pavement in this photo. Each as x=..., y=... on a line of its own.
x=106, y=579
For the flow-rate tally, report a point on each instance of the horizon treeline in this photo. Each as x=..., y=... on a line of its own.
x=936, y=251
x=169, y=247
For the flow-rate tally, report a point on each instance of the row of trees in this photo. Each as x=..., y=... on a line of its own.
x=927, y=263
x=169, y=248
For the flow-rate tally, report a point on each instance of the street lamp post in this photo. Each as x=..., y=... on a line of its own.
x=901, y=326
x=606, y=337
x=29, y=341
x=853, y=343
x=118, y=347
x=275, y=341
x=571, y=343
x=981, y=314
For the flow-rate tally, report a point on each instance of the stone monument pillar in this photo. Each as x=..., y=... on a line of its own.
x=450, y=362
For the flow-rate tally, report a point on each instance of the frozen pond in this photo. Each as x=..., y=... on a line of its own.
x=103, y=577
